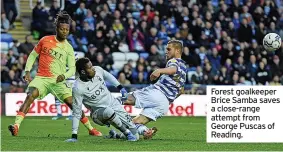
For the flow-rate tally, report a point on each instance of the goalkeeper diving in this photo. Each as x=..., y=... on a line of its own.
x=91, y=91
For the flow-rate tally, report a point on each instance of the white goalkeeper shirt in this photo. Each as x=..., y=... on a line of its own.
x=93, y=93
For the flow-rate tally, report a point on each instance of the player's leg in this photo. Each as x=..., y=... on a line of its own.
x=131, y=100
x=14, y=128
x=64, y=93
x=154, y=104
x=126, y=120
x=143, y=98
x=104, y=116
x=70, y=82
x=141, y=121
x=140, y=128
x=59, y=110
x=84, y=119
x=36, y=89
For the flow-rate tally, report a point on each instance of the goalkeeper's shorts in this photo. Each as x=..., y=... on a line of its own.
x=61, y=90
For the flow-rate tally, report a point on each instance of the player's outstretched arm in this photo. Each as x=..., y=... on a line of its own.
x=110, y=78
x=171, y=67
x=33, y=55
x=77, y=112
x=169, y=71
x=30, y=61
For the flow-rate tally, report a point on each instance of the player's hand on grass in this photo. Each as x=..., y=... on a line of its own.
x=27, y=77
x=154, y=75
x=60, y=78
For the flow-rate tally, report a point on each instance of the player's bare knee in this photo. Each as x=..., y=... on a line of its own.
x=141, y=119
x=69, y=105
x=131, y=100
x=32, y=95
x=137, y=120
x=29, y=98
x=68, y=101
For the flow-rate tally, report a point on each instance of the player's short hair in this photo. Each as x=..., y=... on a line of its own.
x=80, y=64
x=177, y=44
x=62, y=17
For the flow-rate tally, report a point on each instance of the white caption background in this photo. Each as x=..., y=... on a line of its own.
x=270, y=115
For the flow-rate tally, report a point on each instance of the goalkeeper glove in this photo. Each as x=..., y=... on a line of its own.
x=123, y=91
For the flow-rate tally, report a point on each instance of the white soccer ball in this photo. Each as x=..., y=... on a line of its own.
x=271, y=42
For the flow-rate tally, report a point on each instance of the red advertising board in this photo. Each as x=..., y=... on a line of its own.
x=185, y=105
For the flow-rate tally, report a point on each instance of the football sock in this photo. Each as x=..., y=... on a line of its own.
x=120, y=136
x=58, y=107
x=86, y=123
x=117, y=123
x=110, y=116
x=141, y=128
x=19, y=118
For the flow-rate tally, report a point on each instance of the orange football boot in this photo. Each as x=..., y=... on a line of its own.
x=14, y=129
x=95, y=132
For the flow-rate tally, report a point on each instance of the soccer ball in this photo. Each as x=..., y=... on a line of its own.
x=271, y=42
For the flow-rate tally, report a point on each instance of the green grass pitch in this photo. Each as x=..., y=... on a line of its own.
x=175, y=133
